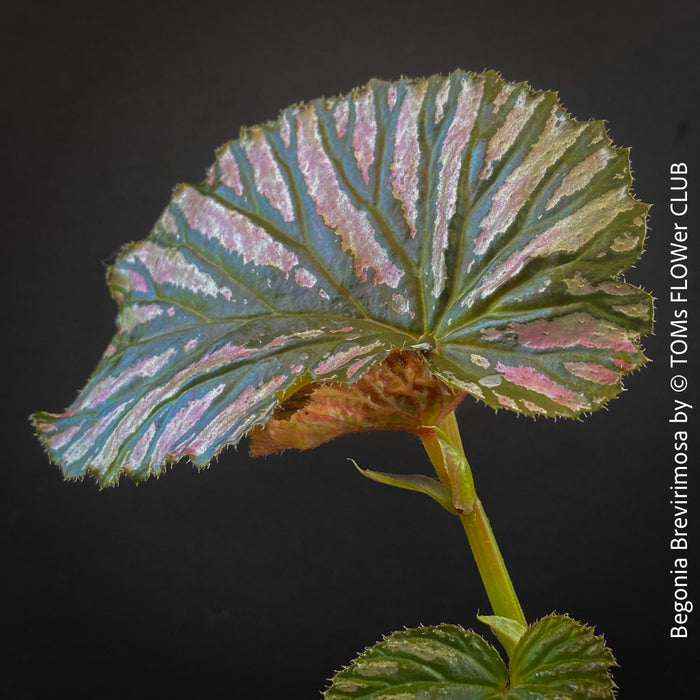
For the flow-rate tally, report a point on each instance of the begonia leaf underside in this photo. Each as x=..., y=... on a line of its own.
x=466, y=218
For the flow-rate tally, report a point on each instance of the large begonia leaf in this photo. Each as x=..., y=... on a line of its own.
x=466, y=219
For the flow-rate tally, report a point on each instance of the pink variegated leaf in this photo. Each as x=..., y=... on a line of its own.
x=466, y=220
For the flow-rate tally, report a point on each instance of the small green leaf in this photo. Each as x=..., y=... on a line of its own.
x=512, y=630
x=445, y=661
x=557, y=658
x=411, y=482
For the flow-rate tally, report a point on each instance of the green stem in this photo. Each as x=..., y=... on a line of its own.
x=489, y=560
x=492, y=568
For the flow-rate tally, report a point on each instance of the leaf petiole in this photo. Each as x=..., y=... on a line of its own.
x=444, y=447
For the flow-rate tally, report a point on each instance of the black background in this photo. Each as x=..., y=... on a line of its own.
x=259, y=578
